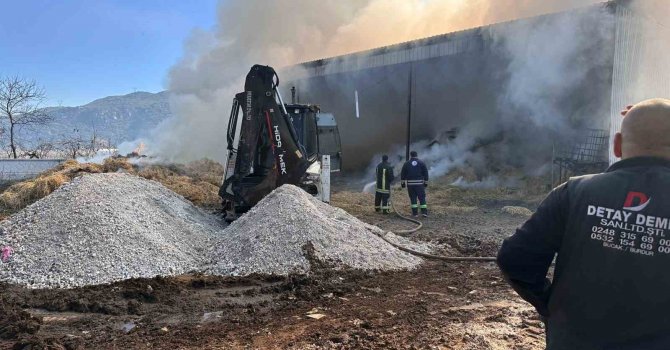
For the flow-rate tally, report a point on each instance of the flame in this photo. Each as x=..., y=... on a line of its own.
x=139, y=149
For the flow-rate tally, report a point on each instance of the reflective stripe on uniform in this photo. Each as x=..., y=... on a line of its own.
x=384, y=179
x=415, y=182
x=383, y=191
x=414, y=206
x=424, y=206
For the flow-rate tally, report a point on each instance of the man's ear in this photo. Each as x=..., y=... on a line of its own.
x=618, y=141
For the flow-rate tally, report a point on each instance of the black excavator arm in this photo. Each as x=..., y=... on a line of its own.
x=267, y=154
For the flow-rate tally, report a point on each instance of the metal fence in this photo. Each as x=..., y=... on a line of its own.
x=590, y=154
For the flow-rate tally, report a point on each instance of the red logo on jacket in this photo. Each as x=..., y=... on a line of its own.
x=636, y=201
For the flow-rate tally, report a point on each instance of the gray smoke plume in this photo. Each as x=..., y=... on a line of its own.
x=549, y=62
x=286, y=32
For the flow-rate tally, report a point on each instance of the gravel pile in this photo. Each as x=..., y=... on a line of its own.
x=289, y=230
x=103, y=228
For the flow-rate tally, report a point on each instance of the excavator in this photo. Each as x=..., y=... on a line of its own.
x=274, y=144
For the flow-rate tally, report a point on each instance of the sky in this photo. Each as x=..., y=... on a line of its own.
x=82, y=50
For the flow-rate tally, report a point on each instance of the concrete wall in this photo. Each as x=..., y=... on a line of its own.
x=19, y=169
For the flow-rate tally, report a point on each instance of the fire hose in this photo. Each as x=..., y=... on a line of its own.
x=425, y=255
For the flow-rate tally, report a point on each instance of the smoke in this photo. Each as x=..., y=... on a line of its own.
x=548, y=62
x=439, y=158
x=285, y=32
x=548, y=58
x=486, y=183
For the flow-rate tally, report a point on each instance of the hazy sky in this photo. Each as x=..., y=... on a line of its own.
x=81, y=50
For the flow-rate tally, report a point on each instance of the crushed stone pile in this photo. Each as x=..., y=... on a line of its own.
x=103, y=228
x=289, y=230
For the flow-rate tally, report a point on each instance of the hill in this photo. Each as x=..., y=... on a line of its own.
x=116, y=118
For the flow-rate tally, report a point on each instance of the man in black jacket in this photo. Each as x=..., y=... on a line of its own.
x=414, y=176
x=610, y=234
x=383, y=189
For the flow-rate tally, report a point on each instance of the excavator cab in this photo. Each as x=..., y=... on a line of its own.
x=317, y=132
x=329, y=140
x=273, y=144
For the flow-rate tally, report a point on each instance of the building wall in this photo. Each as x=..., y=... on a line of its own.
x=458, y=81
x=641, y=69
x=19, y=169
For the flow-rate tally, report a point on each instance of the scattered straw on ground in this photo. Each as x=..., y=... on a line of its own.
x=517, y=211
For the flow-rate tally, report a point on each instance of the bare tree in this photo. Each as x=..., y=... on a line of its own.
x=20, y=101
x=73, y=146
x=94, y=144
x=44, y=149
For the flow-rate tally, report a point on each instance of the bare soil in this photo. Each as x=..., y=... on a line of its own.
x=439, y=306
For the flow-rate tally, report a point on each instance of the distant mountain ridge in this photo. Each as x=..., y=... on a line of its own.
x=116, y=118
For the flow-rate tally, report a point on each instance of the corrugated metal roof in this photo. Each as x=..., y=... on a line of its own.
x=447, y=44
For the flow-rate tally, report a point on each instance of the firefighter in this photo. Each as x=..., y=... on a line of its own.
x=414, y=176
x=383, y=189
x=610, y=234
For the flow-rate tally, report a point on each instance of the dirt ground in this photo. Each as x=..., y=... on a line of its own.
x=438, y=306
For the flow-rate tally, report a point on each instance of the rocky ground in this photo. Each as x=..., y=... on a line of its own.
x=439, y=305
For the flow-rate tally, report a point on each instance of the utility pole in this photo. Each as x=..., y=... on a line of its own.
x=409, y=111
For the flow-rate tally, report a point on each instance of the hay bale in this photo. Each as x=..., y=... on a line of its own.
x=44, y=185
x=157, y=173
x=193, y=188
x=517, y=211
x=90, y=168
x=73, y=168
x=204, y=166
x=24, y=193
x=111, y=165
x=198, y=181
x=212, y=179
x=18, y=195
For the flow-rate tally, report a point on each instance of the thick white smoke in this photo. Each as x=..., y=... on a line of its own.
x=548, y=58
x=286, y=32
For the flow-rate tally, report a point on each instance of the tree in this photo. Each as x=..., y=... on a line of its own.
x=44, y=149
x=20, y=101
x=73, y=145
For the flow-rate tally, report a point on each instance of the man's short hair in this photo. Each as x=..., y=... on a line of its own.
x=385, y=158
x=413, y=154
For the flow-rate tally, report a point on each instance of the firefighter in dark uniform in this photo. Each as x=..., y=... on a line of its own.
x=610, y=234
x=414, y=176
x=383, y=189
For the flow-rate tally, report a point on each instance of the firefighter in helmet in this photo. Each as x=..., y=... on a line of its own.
x=414, y=176
x=383, y=189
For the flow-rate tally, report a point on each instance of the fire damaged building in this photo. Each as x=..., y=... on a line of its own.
x=526, y=91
